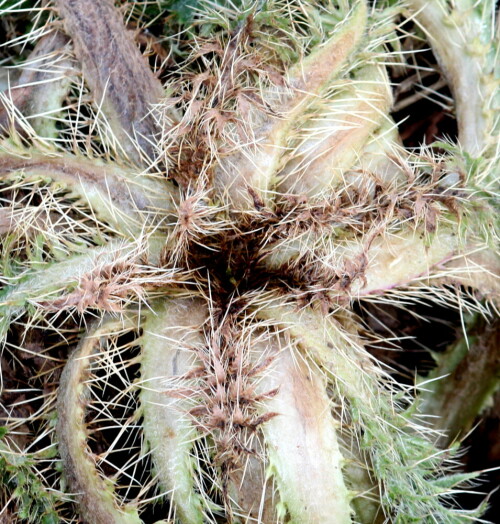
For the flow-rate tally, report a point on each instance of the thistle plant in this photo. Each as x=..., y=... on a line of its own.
x=197, y=202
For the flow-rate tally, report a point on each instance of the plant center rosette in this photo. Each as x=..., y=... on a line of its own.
x=191, y=239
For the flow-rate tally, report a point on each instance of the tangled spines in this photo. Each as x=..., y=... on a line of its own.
x=190, y=226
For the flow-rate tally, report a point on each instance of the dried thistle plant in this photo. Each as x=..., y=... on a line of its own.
x=192, y=218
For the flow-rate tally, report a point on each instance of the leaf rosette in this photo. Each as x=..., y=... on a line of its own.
x=192, y=232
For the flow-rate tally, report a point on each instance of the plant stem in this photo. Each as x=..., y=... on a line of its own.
x=116, y=72
x=302, y=446
x=307, y=79
x=458, y=38
x=167, y=427
x=466, y=378
x=42, y=86
x=97, y=501
x=116, y=195
x=337, y=134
